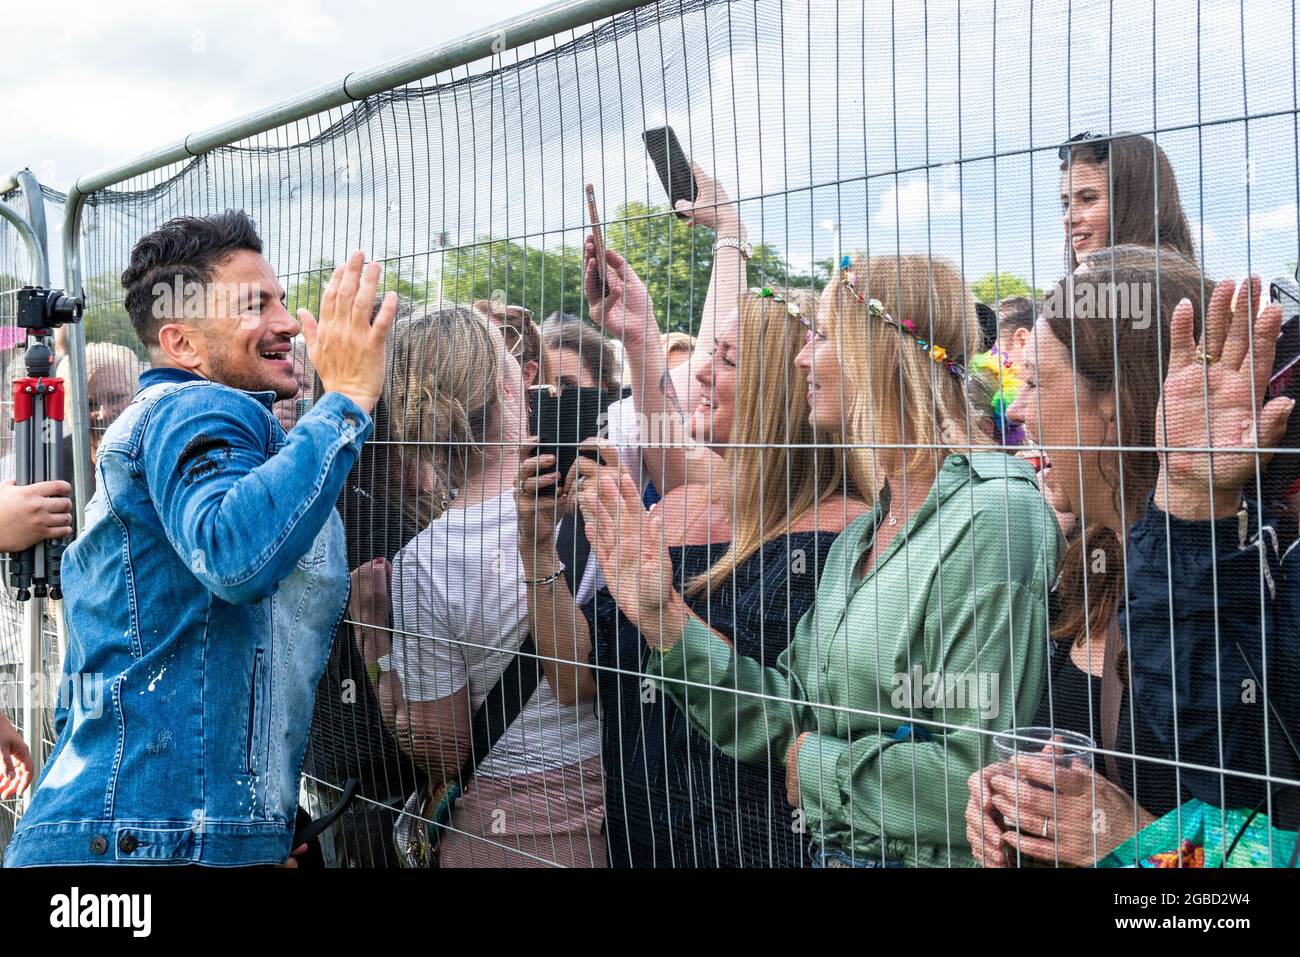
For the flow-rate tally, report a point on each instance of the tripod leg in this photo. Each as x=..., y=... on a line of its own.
x=34, y=683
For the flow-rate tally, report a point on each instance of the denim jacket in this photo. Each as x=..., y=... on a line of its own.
x=201, y=600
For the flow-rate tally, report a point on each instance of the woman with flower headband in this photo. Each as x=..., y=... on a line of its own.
x=747, y=539
x=922, y=599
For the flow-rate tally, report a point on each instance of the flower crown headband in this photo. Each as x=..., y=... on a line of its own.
x=849, y=280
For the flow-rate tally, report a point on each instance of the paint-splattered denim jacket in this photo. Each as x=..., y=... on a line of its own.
x=201, y=600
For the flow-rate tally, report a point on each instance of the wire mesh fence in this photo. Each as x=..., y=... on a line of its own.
x=861, y=573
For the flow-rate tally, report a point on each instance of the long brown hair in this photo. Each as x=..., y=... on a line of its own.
x=1123, y=356
x=1144, y=206
x=777, y=475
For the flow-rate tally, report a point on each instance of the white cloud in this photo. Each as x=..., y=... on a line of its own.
x=911, y=203
x=304, y=23
x=1280, y=219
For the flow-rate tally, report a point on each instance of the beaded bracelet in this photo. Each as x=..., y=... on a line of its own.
x=544, y=581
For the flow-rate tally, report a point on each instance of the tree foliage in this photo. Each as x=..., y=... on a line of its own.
x=995, y=287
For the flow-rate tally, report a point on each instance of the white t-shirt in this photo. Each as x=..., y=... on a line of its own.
x=460, y=610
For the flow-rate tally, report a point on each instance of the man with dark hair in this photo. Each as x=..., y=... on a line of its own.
x=202, y=595
x=1016, y=317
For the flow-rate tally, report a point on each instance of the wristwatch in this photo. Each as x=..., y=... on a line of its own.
x=745, y=249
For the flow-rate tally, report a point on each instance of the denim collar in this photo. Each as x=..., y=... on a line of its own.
x=160, y=374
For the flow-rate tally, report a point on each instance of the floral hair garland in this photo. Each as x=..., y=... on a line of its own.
x=938, y=353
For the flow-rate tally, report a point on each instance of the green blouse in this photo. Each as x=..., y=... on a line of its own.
x=902, y=676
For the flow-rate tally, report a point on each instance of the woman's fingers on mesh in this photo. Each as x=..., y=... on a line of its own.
x=1218, y=316
x=1237, y=345
x=1182, y=345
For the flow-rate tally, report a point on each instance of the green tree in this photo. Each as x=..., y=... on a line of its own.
x=105, y=318
x=544, y=281
x=308, y=286
x=995, y=286
x=672, y=259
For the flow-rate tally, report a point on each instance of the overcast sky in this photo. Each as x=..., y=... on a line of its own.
x=96, y=83
x=773, y=98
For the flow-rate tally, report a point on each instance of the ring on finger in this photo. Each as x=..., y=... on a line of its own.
x=1207, y=359
x=1046, y=821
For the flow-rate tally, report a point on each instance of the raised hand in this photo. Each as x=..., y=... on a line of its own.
x=623, y=309
x=1214, y=398
x=345, y=348
x=628, y=543
x=712, y=207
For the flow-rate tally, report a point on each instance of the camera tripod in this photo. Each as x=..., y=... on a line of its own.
x=38, y=409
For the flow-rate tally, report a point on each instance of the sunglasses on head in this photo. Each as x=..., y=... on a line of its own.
x=1098, y=144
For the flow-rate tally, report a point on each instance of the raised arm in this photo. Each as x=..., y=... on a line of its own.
x=1203, y=567
x=713, y=210
x=559, y=629
x=239, y=518
x=626, y=312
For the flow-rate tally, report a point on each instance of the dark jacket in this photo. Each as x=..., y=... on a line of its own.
x=1214, y=630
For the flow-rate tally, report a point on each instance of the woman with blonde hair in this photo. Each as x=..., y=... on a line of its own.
x=925, y=635
x=460, y=612
x=747, y=538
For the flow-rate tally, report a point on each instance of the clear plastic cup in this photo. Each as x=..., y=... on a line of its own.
x=1065, y=748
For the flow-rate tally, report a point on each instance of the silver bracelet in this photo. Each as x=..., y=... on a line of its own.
x=731, y=242
x=544, y=581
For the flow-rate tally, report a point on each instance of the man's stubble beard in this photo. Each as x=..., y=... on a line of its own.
x=228, y=374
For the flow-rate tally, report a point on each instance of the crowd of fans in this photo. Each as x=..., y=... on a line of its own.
x=824, y=561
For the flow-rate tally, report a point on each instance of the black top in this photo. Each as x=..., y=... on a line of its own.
x=671, y=798
x=348, y=735
x=1066, y=701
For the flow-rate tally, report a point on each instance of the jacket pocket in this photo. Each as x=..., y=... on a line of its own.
x=253, y=741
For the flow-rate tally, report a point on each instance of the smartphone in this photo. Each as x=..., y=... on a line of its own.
x=563, y=420
x=1281, y=478
x=674, y=169
x=593, y=217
